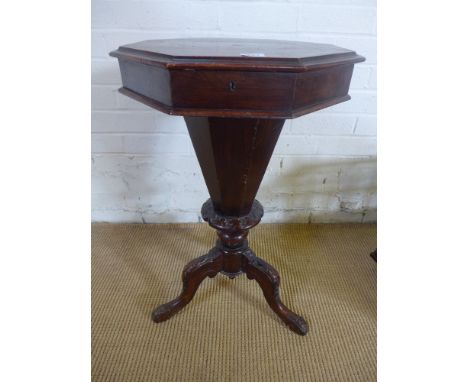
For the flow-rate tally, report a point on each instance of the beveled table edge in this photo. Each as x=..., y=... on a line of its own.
x=295, y=65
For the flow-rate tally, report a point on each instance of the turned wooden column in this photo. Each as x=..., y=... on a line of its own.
x=235, y=96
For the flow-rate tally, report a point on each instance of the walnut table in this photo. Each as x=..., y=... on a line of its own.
x=235, y=96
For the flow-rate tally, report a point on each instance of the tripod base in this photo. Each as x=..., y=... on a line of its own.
x=232, y=256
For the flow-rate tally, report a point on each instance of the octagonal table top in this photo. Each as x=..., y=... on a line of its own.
x=248, y=54
x=219, y=77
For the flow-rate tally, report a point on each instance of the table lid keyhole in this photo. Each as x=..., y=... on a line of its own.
x=232, y=86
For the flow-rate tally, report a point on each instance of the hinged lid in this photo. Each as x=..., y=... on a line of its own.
x=236, y=54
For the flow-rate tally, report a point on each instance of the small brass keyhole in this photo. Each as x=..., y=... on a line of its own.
x=232, y=86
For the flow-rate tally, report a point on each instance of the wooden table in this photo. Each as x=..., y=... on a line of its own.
x=235, y=96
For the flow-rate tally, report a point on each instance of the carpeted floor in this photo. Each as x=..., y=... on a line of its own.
x=228, y=332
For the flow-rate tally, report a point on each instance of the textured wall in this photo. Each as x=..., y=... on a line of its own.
x=143, y=166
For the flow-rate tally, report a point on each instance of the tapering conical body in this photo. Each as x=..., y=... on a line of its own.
x=233, y=154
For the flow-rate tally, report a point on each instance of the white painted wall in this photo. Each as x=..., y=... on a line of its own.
x=143, y=166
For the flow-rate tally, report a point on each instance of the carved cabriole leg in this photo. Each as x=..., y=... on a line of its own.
x=268, y=279
x=193, y=275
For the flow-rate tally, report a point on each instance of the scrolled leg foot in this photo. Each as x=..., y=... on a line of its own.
x=268, y=279
x=193, y=275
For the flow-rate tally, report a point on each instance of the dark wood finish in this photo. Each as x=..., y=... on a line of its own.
x=229, y=113
x=232, y=257
x=217, y=77
x=233, y=155
x=235, y=96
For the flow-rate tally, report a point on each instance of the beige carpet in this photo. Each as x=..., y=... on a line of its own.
x=228, y=332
